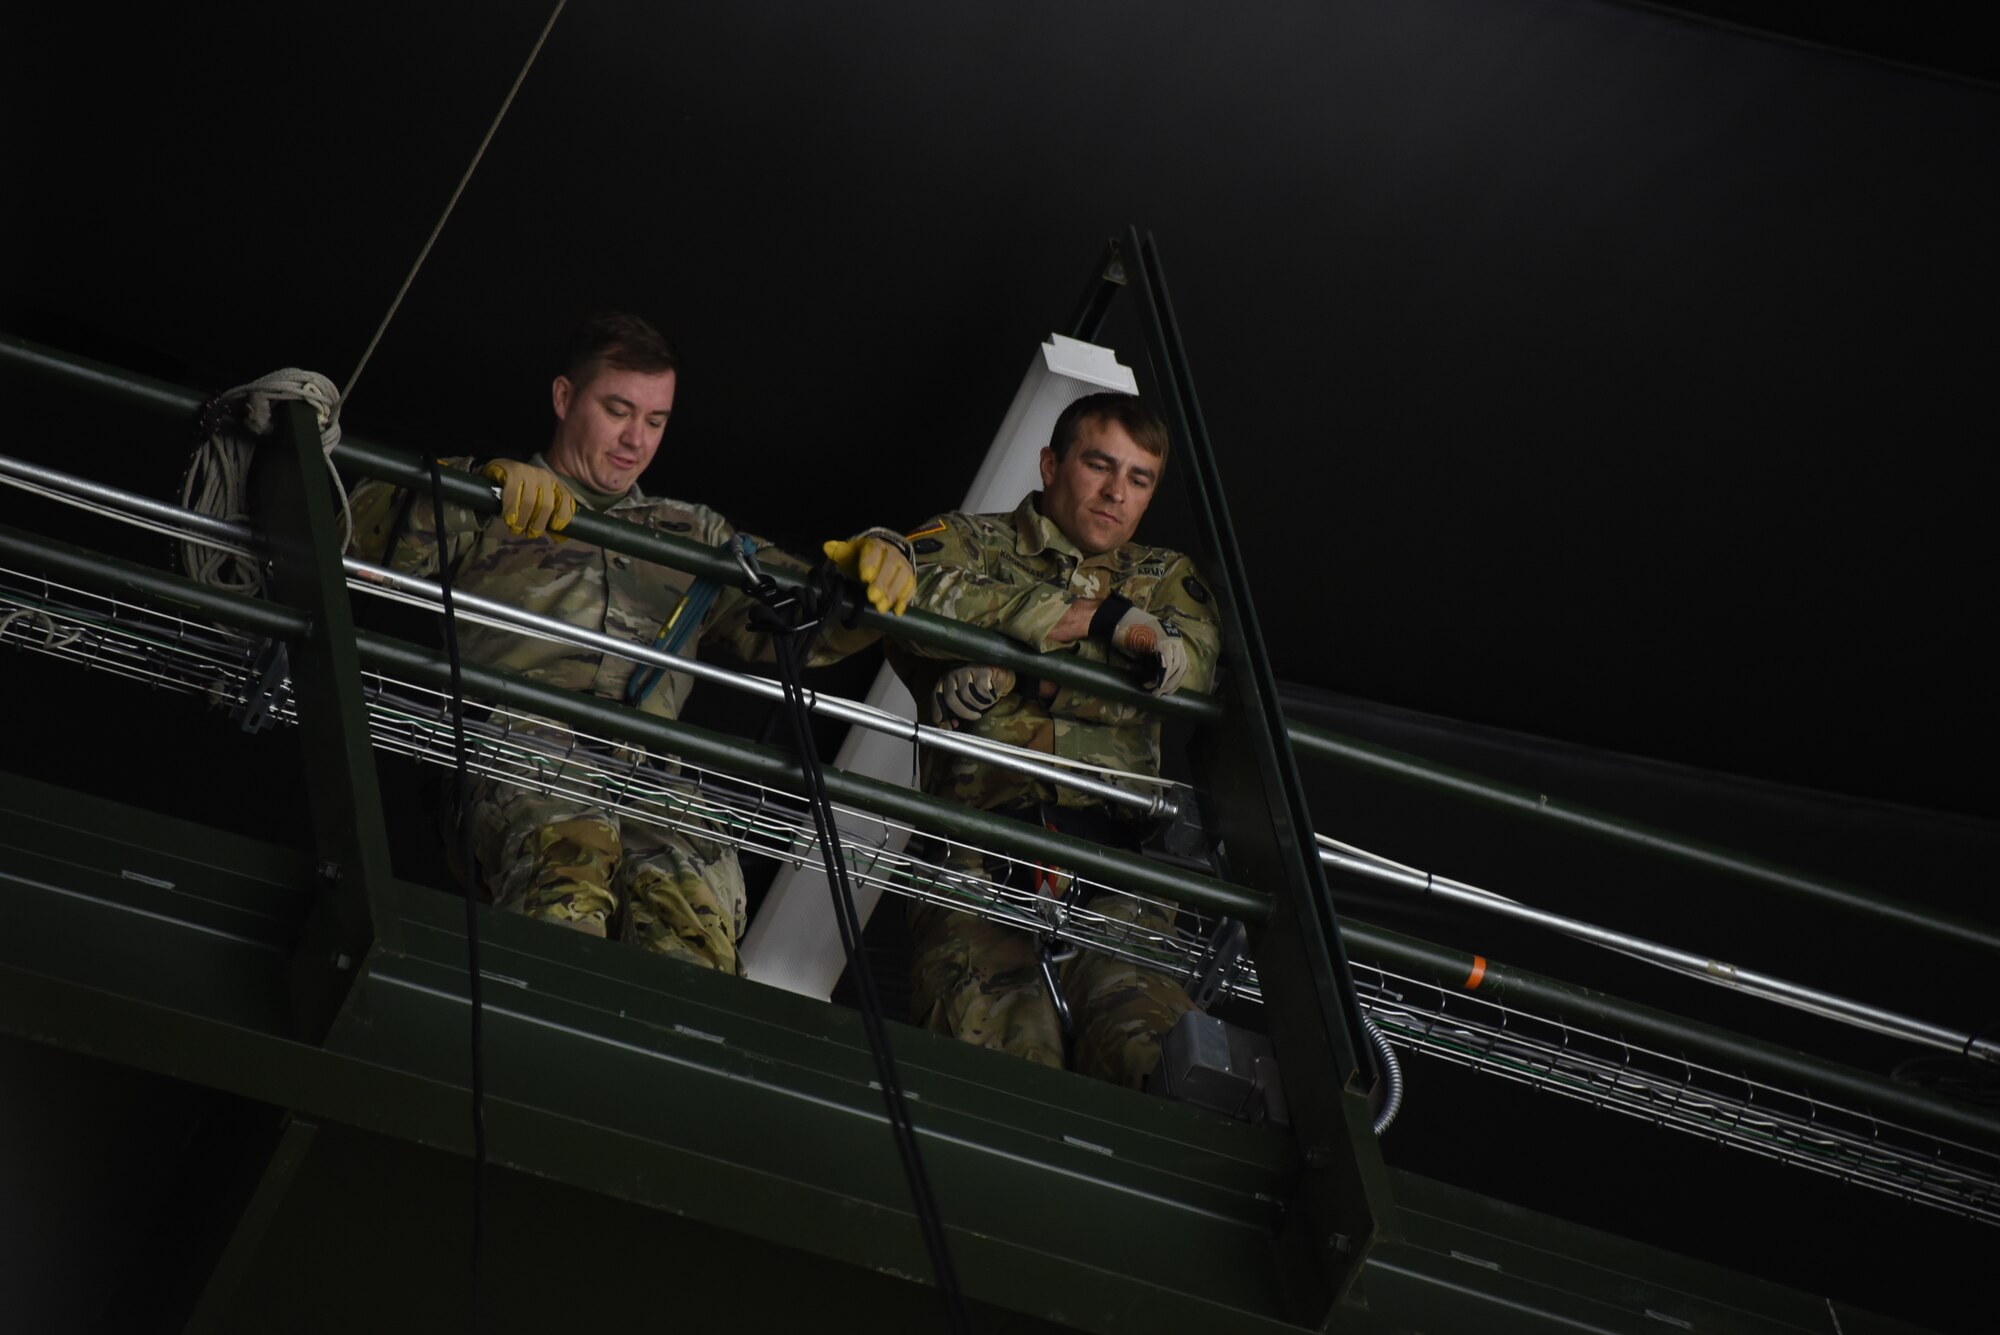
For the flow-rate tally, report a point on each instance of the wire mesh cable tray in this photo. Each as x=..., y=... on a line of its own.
x=168, y=652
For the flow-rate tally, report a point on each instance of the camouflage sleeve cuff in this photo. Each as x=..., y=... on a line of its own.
x=1113, y=611
x=894, y=539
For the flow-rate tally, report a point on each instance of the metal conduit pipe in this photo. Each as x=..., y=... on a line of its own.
x=981, y=646
x=1477, y=976
x=1319, y=744
x=1763, y=985
x=222, y=532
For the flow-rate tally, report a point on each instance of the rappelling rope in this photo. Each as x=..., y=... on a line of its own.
x=218, y=477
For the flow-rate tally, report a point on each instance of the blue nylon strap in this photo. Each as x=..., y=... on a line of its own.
x=679, y=625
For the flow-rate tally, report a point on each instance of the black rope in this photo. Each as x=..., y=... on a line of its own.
x=471, y=878
x=786, y=636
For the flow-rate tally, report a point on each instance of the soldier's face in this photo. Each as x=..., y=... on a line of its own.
x=1097, y=493
x=608, y=428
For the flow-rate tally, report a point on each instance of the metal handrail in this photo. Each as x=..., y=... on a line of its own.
x=1311, y=743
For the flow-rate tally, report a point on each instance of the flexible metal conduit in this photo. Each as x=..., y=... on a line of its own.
x=1392, y=1077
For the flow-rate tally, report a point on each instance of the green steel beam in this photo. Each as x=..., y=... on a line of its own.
x=1467, y=1262
x=167, y=913
x=1119, y=1207
x=239, y=1254
x=352, y=912
x=1310, y=742
x=1068, y=1200
x=1255, y=805
x=237, y=903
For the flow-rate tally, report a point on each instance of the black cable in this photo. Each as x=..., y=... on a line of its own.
x=471, y=878
x=785, y=641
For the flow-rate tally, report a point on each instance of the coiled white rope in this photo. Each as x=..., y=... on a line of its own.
x=218, y=477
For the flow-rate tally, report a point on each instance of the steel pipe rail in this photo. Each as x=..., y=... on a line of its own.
x=380, y=580
x=162, y=516
x=1311, y=743
x=1315, y=743
x=408, y=470
x=1767, y=986
x=935, y=632
x=383, y=582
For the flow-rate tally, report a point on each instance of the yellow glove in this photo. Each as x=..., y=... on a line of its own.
x=531, y=498
x=880, y=565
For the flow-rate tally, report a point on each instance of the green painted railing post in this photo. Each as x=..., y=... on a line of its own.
x=353, y=912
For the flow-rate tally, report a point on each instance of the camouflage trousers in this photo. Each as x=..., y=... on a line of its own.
x=982, y=982
x=570, y=862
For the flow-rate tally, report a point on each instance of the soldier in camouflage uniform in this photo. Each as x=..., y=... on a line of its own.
x=1059, y=574
x=566, y=859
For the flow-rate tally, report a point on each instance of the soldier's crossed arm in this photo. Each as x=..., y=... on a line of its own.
x=957, y=579
x=1184, y=603
x=1186, y=606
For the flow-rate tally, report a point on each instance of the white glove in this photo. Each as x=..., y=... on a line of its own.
x=1141, y=634
x=968, y=691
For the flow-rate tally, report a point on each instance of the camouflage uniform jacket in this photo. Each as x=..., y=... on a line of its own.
x=1018, y=574
x=574, y=582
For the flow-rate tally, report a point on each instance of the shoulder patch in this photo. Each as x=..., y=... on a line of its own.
x=1195, y=588
x=926, y=546
x=674, y=525
x=936, y=526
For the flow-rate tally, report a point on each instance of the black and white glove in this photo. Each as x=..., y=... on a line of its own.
x=968, y=691
x=1133, y=630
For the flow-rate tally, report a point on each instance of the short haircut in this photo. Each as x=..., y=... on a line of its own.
x=621, y=341
x=1141, y=423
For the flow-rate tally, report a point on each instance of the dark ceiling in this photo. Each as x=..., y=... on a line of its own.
x=1619, y=374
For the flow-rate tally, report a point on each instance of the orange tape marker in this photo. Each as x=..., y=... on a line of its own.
x=1478, y=974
